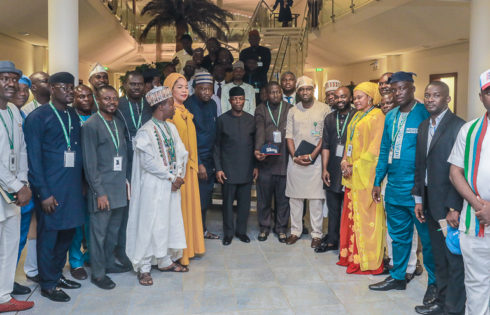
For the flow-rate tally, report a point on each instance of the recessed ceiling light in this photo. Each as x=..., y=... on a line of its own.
x=24, y=33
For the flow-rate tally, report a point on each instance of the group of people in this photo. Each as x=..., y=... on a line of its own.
x=124, y=183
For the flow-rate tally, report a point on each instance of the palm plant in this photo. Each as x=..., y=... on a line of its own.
x=185, y=14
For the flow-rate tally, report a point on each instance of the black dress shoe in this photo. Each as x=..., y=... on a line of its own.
x=432, y=309
x=116, y=268
x=389, y=284
x=104, y=283
x=282, y=237
x=243, y=237
x=33, y=279
x=56, y=295
x=227, y=240
x=430, y=295
x=68, y=284
x=324, y=247
x=262, y=236
x=20, y=289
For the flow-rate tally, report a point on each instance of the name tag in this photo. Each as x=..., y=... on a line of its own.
x=340, y=150
x=260, y=64
x=276, y=136
x=69, y=158
x=118, y=163
x=12, y=162
x=257, y=90
x=390, y=157
x=349, y=150
x=412, y=130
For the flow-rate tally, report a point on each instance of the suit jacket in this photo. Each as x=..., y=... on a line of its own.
x=439, y=195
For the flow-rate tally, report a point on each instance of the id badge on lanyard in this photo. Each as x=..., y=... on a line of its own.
x=390, y=156
x=339, y=152
x=276, y=135
x=12, y=161
x=118, y=163
x=69, y=158
x=349, y=150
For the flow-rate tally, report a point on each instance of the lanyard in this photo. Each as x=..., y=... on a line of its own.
x=278, y=116
x=79, y=117
x=95, y=101
x=394, y=134
x=169, y=143
x=67, y=134
x=356, y=119
x=340, y=134
x=36, y=104
x=115, y=139
x=136, y=125
x=11, y=140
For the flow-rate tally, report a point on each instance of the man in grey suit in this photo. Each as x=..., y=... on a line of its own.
x=105, y=163
x=436, y=199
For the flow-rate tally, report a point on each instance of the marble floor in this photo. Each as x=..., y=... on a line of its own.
x=256, y=278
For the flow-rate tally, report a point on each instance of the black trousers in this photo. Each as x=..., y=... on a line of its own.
x=52, y=246
x=334, y=204
x=206, y=191
x=449, y=272
x=242, y=194
x=104, y=228
x=268, y=187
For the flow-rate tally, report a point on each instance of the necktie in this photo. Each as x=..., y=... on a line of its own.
x=219, y=90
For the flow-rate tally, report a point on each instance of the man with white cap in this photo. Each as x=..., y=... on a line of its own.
x=470, y=175
x=98, y=76
x=238, y=74
x=304, y=174
x=155, y=226
x=13, y=184
x=330, y=87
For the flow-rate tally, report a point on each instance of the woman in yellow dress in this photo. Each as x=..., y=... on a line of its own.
x=191, y=205
x=362, y=227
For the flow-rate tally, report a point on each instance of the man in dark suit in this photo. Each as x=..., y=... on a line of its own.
x=436, y=199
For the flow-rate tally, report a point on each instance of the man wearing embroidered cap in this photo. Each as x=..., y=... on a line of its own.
x=155, y=226
x=304, y=175
x=104, y=162
x=397, y=160
x=13, y=180
x=204, y=110
x=238, y=74
x=52, y=135
x=98, y=76
x=470, y=175
x=330, y=87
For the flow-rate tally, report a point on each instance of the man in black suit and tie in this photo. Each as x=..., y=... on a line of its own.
x=436, y=199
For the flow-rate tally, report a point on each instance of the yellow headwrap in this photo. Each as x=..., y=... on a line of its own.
x=370, y=89
x=172, y=78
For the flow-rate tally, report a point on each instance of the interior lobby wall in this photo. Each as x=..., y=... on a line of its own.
x=19, y=52
x=448, y=59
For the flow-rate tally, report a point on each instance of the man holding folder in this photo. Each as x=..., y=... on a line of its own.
x=304, y=174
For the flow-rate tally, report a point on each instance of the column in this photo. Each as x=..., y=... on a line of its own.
x=479, y=55
x=63, y=36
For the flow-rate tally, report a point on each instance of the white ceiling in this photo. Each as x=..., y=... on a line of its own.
x=381, y=28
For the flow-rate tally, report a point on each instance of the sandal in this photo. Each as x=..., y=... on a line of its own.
x=210, y=236
x=145, y=278
x=174, y=267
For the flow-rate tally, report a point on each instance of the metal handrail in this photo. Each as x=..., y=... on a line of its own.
x=252, y=21
x=277, y=56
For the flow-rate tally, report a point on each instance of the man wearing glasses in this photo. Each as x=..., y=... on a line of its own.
x=52, y=134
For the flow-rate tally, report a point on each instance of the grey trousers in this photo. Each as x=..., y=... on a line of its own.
x=104, y=229
x=272, y=187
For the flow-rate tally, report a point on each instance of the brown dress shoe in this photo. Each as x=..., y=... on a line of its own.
x=292, y=239
x=78, y=273
x=316, y=242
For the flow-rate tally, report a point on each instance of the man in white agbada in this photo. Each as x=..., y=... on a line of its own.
x=155, y=232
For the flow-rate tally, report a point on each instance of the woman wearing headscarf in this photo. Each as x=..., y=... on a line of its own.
x=362, y=229
x=191, y=206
